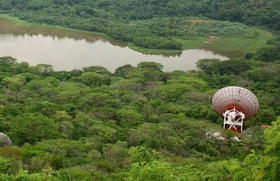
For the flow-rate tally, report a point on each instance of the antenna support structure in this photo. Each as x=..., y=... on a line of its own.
x=235, y=105
x=233, y=120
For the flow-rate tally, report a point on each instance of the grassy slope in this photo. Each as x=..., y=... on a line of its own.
x=237, y=46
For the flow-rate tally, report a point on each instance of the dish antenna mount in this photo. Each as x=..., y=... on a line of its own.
x=235, y=104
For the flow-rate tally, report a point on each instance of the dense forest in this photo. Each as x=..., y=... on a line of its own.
x=253, y=12
x=158, y=24
x=138, y=123
x=141, y=123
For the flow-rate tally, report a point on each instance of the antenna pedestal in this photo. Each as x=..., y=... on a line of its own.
x=233, y=120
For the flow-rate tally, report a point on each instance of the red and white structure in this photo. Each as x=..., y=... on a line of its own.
x=235, y=104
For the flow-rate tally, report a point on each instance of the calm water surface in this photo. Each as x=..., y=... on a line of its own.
x=67, y=50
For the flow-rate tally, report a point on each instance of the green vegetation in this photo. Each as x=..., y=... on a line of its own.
x=138, y=123
x=160, y=27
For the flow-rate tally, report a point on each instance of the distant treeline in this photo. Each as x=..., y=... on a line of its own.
x=264, y=13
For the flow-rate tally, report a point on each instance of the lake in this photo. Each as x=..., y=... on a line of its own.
x=67, y=49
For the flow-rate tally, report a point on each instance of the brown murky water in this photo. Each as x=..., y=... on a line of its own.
x=67, y=50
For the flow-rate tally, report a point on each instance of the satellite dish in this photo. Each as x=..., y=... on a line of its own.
x=235, y=104
x=5, y=140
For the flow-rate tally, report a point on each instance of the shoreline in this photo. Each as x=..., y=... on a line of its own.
x=18, y=22
x=231, y=46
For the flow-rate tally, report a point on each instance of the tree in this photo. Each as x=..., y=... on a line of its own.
x=97, y=69
x=32, y=127
x=129, y=117
x=233, y=66
x=6, y=63
x=14, y=83
x=4, y=165
x=116, y=153
x=268, y=54
x=266, y=116
x=21, y=67
x=44, y=69
x=124, y=71
x=208, y=66
x=93, y=79
x=152, y=66
x=145, y=166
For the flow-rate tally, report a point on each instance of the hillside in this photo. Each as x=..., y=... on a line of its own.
x=268, y=12
x=93, y=124
x=161, y=26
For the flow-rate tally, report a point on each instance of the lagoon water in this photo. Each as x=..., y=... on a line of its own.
x=67, y=50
